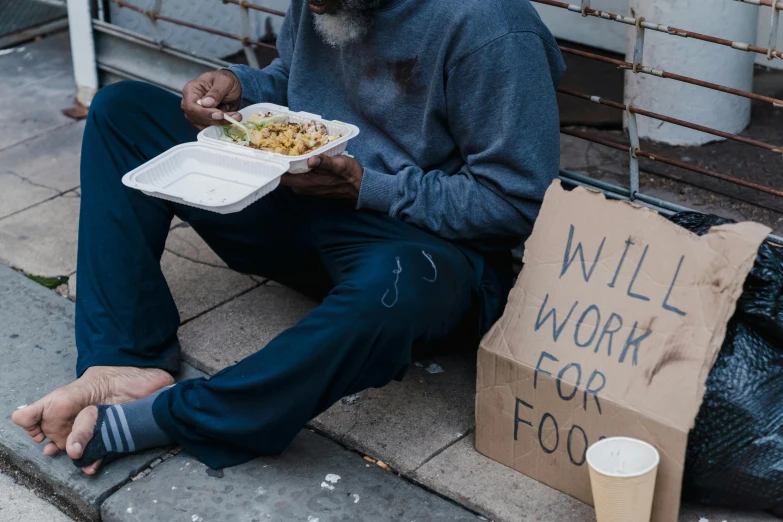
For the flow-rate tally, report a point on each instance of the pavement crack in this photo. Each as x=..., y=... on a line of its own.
x=27, y=180
x=183, y=224
x=444, y=448
x=357, y=417
x=194, y=260
x=152, y=465
x=218, y=305
x=27, y=138
x=50, y=198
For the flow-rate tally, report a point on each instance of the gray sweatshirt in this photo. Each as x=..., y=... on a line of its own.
x=456, y=104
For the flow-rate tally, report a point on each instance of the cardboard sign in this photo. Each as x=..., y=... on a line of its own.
x=611, y=330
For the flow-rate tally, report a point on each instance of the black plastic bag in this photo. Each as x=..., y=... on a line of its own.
x=735, y=450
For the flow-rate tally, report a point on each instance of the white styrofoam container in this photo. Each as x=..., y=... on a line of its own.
x=298, y=164
x=219, y=179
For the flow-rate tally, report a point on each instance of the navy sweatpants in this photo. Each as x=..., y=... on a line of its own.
x=389, y=290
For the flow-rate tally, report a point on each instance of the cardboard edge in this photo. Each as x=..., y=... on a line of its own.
x=749, y=227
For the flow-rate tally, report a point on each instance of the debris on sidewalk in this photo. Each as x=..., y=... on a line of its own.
x=63, y=290
x=329, y=482
x=77, y=111
x=350, y=400
x=4, y=52
x=434, y=368
x=378, y=463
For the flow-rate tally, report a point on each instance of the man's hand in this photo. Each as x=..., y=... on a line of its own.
x=332, y=177
x=219, y=91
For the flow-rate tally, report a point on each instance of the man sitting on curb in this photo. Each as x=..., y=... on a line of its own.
x=404, y=244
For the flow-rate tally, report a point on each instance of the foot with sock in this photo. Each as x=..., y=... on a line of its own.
x=104, y=433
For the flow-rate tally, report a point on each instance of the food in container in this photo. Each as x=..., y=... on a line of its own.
x=277, y=114
x=274, y=133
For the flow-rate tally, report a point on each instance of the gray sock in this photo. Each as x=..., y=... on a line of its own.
x=124, y=428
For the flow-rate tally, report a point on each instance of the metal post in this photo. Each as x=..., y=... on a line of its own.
x=250, y=53
x=82, y=50
x=585, y=7
x=633, y=159
x=152, y=17
x=773, y=32
x=638, y=49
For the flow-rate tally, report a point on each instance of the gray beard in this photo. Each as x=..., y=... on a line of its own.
x=350, y=23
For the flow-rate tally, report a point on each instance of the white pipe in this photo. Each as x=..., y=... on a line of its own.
x=82, y=50
x=702, y=60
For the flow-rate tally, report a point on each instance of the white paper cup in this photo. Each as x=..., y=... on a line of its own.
x=622, y=477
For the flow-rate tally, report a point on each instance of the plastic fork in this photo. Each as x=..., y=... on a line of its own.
x=235, y=123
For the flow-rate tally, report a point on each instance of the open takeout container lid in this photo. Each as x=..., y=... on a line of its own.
x=216, y=177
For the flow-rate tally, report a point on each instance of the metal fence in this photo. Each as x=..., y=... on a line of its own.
x=635, y=152
x=637, y=66
x=122, y=53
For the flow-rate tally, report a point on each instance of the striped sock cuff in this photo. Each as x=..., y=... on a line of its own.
x=115, y=431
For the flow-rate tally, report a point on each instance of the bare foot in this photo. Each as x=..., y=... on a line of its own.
x=81, y=435
x=52, y=416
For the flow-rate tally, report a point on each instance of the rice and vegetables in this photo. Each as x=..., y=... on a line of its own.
x=275, y=133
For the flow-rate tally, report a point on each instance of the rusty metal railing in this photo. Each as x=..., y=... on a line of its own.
x=640, y=22
x=671, y=76
x=245, y=3
x=637, y=66
x=682, y=123
x=154, y=15
x=634, y=149
x=639, y=153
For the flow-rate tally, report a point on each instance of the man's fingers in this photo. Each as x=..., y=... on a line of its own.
x=329, y=163
x=306, y=180
x=195, y=113
x=218, y=116
x=51, y=449
x=292, y=180
x=312, y=183
x=196, y=124
x=203, y=118
x=220, y=88
x=192, y=93
x=204, y=99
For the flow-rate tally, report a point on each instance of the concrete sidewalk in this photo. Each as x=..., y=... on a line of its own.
x=422, y=427
x=315, y=478
x=19, y=504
